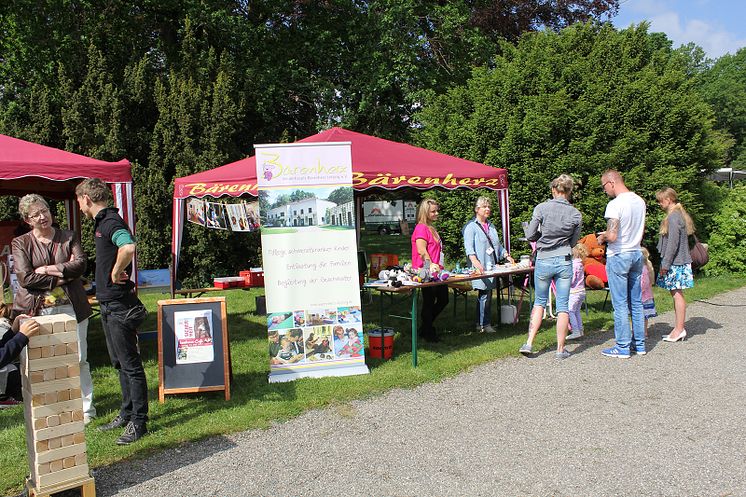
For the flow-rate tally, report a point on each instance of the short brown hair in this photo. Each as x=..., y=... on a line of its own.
x=95, y=188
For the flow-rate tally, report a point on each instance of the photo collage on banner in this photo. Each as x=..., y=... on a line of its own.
x=309, y=249
x=236, y=217
x=194, y=337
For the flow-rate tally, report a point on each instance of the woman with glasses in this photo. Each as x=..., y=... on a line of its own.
x=483, y=248
x=555, y=227
x=49, y=263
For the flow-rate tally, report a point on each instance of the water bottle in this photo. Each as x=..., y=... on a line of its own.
x=458, y=266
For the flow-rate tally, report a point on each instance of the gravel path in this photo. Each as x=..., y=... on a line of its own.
x=669, y=423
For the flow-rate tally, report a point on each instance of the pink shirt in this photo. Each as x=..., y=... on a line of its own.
x=578, y=277
x=434, y=248
x=646, y=284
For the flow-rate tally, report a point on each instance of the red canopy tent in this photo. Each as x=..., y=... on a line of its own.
x=27, y=167
x=376, y=163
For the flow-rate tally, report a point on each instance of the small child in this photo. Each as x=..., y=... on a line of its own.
x=577, y=291
x=646, y=283
x=10, y=378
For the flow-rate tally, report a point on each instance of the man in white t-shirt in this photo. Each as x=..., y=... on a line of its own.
x=625, y=224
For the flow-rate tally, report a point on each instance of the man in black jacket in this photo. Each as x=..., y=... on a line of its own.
x=121, y=310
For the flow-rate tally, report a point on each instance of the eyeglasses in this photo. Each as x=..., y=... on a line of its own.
x=37, y=215
x=603, y=185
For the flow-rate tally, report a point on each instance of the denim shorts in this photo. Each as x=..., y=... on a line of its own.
x=559, y=270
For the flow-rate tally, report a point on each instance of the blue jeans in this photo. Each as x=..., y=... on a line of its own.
x=120, y=321
x=625, y=272
x=484, y=307
x=559, y=270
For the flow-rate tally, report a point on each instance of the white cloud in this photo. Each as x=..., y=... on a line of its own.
x=688, y=21
x=714, y=39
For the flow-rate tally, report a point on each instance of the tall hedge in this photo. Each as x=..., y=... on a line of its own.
x=580, y=101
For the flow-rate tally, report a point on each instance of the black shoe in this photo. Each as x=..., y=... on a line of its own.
x=132, y=433
x=117, y=422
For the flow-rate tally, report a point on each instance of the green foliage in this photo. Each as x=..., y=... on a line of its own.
x=727, y=243
x=341, y=195
x=724, y=87
x=578, y=102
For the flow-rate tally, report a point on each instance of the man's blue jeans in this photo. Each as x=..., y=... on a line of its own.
x=625, y=272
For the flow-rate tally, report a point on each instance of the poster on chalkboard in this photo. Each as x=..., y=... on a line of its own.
x=194, y=336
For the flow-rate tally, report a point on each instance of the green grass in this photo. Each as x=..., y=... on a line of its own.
x=257, y=404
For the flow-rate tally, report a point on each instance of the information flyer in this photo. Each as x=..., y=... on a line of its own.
x=309, y=250
x=194, y=337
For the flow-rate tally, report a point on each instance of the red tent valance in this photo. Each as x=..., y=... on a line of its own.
x=376, y=163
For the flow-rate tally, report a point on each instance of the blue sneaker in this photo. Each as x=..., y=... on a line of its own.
x=616, y=352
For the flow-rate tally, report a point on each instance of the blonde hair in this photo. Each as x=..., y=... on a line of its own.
x=580, y=251
x=564, y=184
x=482, y=202
x=671, y=195
x=24, y=205
x=646, y=261
x=424, y=209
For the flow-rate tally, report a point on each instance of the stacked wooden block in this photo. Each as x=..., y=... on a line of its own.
x=55, y=436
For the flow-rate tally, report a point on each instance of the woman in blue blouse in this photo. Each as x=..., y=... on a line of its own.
x=483, y=248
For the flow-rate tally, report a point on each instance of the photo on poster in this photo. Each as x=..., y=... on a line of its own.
x=319, y=343
x=251, y=211
x=351, y=314
x=317, y=317
x=279, y=320
x=194, y=337
x=215, y=216
x=196, y=211
x=286, y=347
x=348, y=341
x=309, y=209
x=299, y=319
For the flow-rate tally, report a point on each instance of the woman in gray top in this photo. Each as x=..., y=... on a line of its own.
x=555, y=227
x=676, y=263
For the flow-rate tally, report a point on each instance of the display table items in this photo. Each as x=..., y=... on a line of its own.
x=501, y=271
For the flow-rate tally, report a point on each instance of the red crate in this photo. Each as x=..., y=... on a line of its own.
x=221, y=283
x=256, y=277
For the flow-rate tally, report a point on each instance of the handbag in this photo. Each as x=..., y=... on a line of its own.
x=699, y=254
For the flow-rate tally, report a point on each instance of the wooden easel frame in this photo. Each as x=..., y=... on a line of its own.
x=165, y=306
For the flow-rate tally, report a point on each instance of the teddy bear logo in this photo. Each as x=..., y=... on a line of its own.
x=268, y=171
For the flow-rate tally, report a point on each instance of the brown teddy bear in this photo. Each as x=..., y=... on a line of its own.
x=595, y=264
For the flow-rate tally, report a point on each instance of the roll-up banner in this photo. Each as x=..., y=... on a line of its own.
x=314, y=319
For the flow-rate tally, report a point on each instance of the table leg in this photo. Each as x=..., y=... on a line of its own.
x=414, y=328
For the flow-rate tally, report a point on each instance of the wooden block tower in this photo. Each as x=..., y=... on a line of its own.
x=55, y=437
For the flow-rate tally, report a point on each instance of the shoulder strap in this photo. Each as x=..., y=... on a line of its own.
x=494, y=252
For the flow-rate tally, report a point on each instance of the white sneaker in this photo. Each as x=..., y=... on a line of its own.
x=574, y=335
x=479, y=329
x=87, y=419
x=489, y=329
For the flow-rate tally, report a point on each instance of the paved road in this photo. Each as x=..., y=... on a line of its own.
x=669, y=423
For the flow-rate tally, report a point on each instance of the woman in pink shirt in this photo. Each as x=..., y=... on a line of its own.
x=427, y=252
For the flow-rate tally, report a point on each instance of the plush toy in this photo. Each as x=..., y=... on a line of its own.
x=595, y=264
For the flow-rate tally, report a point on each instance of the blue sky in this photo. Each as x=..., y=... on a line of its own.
x=718, y=26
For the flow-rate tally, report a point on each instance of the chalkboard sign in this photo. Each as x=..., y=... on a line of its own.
x=193, y=346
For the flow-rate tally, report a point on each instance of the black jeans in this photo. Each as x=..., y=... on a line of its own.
x=434, y=300
x=120, y=321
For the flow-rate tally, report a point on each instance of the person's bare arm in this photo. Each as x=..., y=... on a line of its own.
x=611, y=233
x=124, y=257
